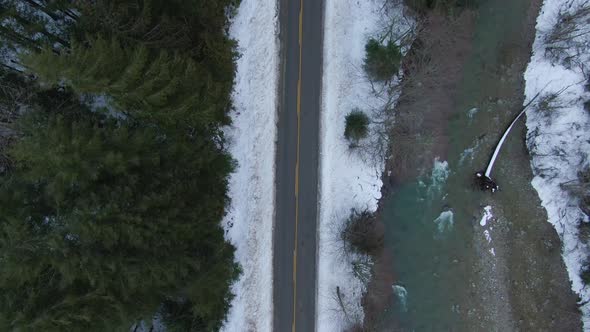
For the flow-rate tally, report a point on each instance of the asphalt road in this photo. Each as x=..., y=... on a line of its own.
x=295, y=232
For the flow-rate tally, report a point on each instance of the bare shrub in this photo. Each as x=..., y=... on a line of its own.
x=348, y=309
x=570, y=22
x=356, y=327
x=548, y=103
x=360, y=233
x=568, y=39
x=580, y=188
x=362, y=268
x=15, y=92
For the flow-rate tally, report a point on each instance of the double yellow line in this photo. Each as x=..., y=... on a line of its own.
x=297, y=167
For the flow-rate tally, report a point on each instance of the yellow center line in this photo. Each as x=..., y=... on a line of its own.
x=297, y=167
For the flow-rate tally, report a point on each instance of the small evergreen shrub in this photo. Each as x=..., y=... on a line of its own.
x=357, y=126
x=382, y=62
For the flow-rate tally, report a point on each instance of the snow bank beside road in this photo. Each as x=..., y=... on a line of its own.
x=559, y=143
x=249, y=222
x=347, y=180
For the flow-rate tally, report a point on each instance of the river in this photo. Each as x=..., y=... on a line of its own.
x=450, y=271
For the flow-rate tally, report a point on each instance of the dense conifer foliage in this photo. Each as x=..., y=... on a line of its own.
x=382, y=61
x=111, y=215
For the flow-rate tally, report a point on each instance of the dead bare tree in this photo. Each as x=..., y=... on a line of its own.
x=15, y=93
x=567, y=40
x=580, y=188
x=348, y=310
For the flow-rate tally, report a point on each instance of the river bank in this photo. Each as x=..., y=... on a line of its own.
x=416, y=129
x=558, y=131
x=457, y=258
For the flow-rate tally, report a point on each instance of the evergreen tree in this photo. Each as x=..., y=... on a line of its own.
x=104, y=222
x=56, y=9
x=356, y=126
x=169, y=88
x=30, y=25
x=195, y=28
x=100, y=223
x=382, y=62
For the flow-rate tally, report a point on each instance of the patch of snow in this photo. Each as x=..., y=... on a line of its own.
x=559, y=144
x=102, y=103
x=492, y=251
x=249, y=219
x=487, y=215
x=348, y=179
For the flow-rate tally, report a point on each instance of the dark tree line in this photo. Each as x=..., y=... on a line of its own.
x=444, y=5
x=111, y=215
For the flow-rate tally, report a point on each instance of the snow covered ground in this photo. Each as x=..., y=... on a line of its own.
x=249, y=222
x=558, y=136
x=348, y=180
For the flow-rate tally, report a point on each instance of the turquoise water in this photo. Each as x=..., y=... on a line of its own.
x=428, y=238
x=430, y=219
